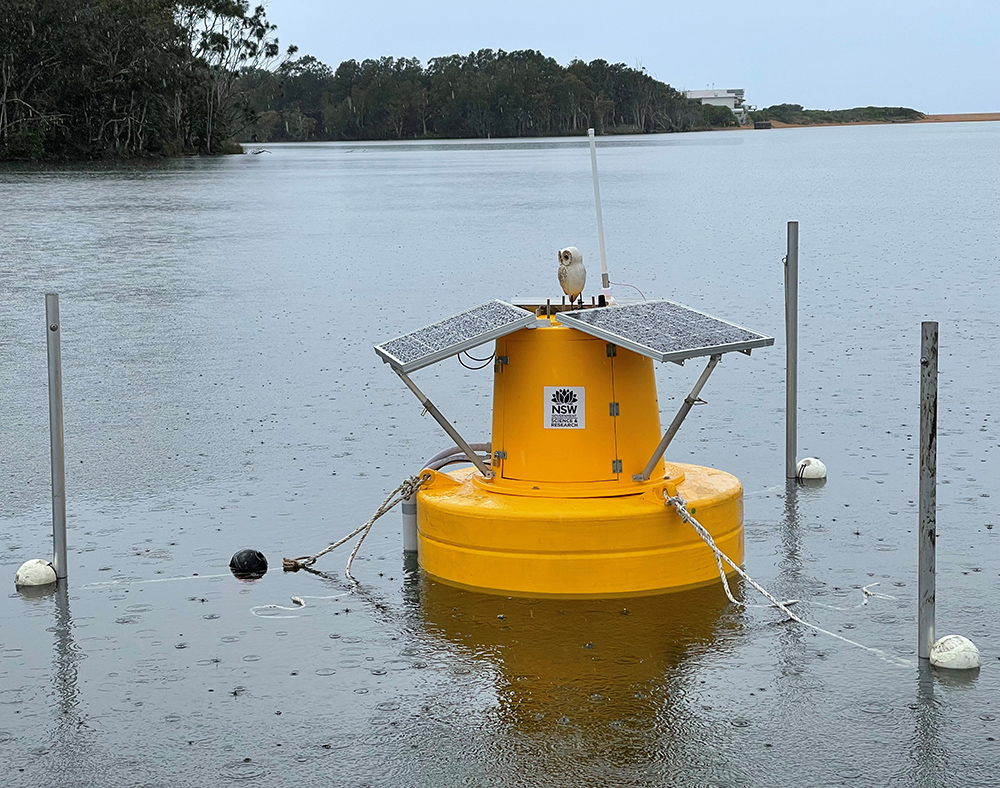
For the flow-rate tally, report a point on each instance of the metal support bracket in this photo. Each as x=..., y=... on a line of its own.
x=446, y=425
x=689, y=402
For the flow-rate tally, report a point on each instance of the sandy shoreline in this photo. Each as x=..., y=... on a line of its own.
x=973, y=116
x=956, y=118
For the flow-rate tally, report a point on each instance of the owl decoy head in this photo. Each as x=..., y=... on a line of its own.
x=570, y=255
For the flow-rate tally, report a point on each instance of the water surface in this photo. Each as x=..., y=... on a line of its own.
x=221, y=392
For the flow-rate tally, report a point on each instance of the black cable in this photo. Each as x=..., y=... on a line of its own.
x=484, y=366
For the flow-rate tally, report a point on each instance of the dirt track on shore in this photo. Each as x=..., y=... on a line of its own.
x=974, y=116
x=955, y=118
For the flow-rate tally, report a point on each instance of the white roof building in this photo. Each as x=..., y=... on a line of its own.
x=732, y=98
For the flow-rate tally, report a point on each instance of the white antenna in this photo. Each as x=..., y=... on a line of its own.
x=605, y=280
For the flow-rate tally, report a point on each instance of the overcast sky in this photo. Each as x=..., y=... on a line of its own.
x=937, y=57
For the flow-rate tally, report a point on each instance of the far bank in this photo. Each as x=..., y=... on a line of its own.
x=970, y=117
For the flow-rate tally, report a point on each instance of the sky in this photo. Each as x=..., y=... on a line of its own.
x=937, y=57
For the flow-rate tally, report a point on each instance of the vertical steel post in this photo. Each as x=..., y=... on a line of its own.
x=928, y=487
x=56, y=435
x=605, y=281
x=791, y=349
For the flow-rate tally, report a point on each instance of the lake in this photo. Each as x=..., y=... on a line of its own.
x=221, y=392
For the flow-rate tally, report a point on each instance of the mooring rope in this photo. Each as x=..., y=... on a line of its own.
x=407, y=489
x=680, y=505
x=865, y=593
x=298, y=601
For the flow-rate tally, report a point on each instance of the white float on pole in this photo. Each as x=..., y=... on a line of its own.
x=791, y=350
x=52, y=332
x=955, y=652
x=36, y=572
x=605, y=279
x=811, y=469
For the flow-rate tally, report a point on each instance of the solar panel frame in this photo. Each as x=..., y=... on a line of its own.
x=679, y=352
x=430, y=344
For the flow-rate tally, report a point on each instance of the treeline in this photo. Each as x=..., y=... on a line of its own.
x=796, y=115
x=483, y=94
x=123, y=78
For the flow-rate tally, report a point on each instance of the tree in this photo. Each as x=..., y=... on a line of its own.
x=226, y=40
x=719, y=116
x=92, y=78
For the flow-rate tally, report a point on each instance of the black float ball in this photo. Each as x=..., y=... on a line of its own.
x=248, y=563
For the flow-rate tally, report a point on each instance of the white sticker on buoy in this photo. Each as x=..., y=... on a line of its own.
x=565, y=407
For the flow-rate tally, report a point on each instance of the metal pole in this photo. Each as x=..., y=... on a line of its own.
x=689, y=402
x=791, y=350
x=928, y=487
x=56, y=435
x=605, y=280
x=446, y=425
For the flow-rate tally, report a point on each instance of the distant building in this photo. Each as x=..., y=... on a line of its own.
x=732, y=98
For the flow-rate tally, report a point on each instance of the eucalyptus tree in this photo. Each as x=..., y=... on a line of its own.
x=92, y=78
x=225, y=39
x=30, y=55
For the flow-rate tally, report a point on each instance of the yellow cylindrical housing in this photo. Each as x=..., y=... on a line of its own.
x=572, y=414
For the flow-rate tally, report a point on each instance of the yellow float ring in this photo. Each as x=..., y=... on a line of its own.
x=624, y=545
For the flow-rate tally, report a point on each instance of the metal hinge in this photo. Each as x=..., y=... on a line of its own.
x=612, y=350
x=499, y=362
x=614, y=409
x=499, y=455
x=616, y=466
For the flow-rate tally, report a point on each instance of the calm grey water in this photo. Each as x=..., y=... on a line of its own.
x=221, y=392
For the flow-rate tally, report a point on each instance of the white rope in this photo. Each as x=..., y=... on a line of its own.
x=865, y=593
x=406, y=489
x=680, y=505
x=109, y=583
x=298, y=601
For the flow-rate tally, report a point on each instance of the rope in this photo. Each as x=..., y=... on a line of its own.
x=865, y=593
x=298, y=601
x=407, y=489
x=681, y=506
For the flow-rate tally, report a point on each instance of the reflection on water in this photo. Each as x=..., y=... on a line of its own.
x=67, y=657
x=614, y=673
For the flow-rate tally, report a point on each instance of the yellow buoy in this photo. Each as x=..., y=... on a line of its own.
x=575, y=420
x=572, y=500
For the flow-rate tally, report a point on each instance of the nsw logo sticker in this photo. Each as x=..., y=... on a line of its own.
x=565, y=407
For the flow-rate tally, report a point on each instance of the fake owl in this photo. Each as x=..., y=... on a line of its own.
x=572, y=274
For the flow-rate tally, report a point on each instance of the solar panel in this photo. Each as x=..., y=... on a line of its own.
x=664, y=330
x=448, y=337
